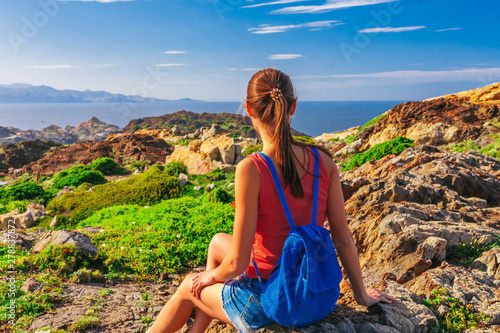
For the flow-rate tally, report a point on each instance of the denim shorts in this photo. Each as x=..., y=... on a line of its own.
x=241, y=304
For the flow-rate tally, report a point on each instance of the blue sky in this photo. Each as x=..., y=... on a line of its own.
x=208, y=49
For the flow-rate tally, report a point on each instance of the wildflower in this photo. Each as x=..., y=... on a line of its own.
x=133, y=222
x=147, y=228
x=178, y=236
x=103, y=245
x=121, y=248
x=140, y=250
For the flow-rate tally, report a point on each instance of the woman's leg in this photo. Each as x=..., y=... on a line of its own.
x=176, y=312
x=217, y=250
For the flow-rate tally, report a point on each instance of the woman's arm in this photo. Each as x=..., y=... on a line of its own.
x=247, y=188
x=344, y=242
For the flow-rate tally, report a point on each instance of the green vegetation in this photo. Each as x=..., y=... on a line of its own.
x=458, y=318
x=246, y=129
x=370, y=122
x=251, y=149
x=175, y=169
x=135, y=128
x=394, y=146
x=349, y=139
x=170, y=236
x=107, y=166
x=305, y=139
x=25, y=192
x=465, y=254
x=220, y=195
x=144, y=189
x=492, y=150
x=77, y=175
x=462, y=147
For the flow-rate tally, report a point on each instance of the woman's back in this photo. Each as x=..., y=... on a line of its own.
x=272, y=225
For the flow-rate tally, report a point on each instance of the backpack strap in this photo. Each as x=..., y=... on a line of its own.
x=316, y=185
x=281, y=194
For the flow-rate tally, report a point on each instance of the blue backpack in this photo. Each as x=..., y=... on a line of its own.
x=304, y=285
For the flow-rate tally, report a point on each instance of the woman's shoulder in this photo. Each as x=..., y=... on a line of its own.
x=328, y=162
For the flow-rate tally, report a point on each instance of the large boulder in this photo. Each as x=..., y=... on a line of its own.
x=61, y=237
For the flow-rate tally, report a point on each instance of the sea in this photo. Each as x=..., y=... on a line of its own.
x=311, y=118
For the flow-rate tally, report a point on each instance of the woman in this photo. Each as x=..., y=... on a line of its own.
x=260, y=226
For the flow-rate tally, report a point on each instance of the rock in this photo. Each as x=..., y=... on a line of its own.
x=183, y=178
x=212, y=132
x=210, y=187
x=61, y=237
x=230, y=185
x=65, y=190
x=468, y=287
x=23, y=240
x=486, y=95
x=31, y=285
x=163, y=276
x=435, y=122
x=53, y=224
x=25, y=220
x=209, y=148
x=92, y=230
x=197, y=188
x=488, y=262
x=394, y=205
x=195, y=162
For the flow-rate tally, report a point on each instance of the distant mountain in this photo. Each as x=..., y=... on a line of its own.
x=25, y=93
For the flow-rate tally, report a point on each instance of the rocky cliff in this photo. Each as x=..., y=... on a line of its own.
x=94, y=129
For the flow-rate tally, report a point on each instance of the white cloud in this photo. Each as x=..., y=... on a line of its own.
x=389, y=29
x=232, y=69
x=102, y=66
x=284, y=56
x=52, y=66
x=270, y=29
x=278, y=2
x=175, y=52
x=448, y=29
x=328, y=6
x=417, y=77
x=169, y=65
x=102, y=1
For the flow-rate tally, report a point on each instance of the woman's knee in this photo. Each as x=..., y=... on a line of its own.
x=219, y=242
x=184, y=289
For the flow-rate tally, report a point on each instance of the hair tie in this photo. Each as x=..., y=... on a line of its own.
x=276, y=94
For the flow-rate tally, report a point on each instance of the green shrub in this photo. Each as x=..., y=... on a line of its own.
x=77, y=175
x=246, y=129
x=107, y=166
x=145, y=189
x=175, y=169
x=27, y=191
x=220, y=195
x=394, y=146
x=349, y=139
x=462, y=147
x=459, y=318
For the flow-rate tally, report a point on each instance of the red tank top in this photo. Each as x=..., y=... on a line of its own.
x=272, y=225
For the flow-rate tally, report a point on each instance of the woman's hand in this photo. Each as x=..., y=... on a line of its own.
x=201, y=281
x=374, y=296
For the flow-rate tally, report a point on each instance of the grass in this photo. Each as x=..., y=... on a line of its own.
x=370, y=122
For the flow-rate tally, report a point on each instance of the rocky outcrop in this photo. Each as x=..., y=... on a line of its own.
x=188, y=122
x=24, y=220
x=201, y=157
x=15, y=156
x=122, y=148
x=61, y=237
x=94, y=129
x=486, y=95
x=434, y=122
x=407, y=212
